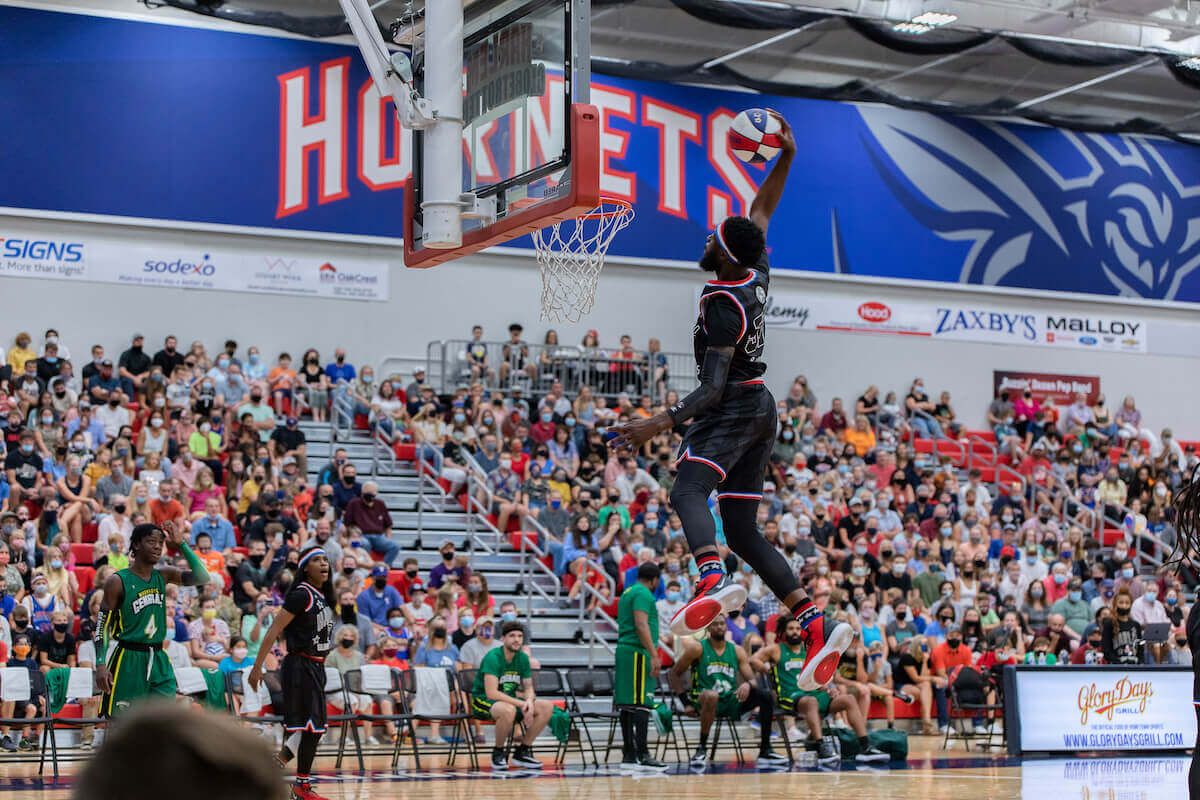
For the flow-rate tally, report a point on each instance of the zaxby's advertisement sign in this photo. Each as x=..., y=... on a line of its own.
x=865, y=312
x=1085, y=709
x=291, y=134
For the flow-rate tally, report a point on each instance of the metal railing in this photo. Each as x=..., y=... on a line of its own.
x=480, y=500
x=597, y=613
x=1155, y=550
x=535, y=367
x=381, y=445
x=341, y=409
x=427, y=475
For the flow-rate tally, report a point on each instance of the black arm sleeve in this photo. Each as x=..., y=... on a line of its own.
x=712, y=385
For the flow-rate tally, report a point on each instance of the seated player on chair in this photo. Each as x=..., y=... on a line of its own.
x=784, y=661
x=503, y=692
x=722, y=686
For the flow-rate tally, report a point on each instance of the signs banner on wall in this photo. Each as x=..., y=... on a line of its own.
x=868, y=312
x=1081, y=709
x=1060, y=388
x=97, y=259
x=306, y=143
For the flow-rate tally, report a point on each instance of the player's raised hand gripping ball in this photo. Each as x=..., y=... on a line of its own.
x=754, y=136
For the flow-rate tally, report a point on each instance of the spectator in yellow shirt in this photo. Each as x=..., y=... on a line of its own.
x=205, y=444
x=20, y=353
x=861, y=436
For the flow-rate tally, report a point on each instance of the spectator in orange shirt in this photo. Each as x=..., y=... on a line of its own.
x=166, y=508
x=861, y=437
x=393, y=652
x=282, y=379
x=214, y=562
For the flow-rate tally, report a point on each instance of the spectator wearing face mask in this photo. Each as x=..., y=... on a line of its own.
x=116, y=483
x=238, y=658
x=348, y=614
x=376, y=601
x=1122, y=634
x=1076, y=612
x=1127, y=578
x=1091, y=651
x=437, y=575
x=56, y=647
x=1056, y=582
x=894, y=573
x=1147, y=609
x=216, y=527
x=471, y=653
x=631, y=480
x=262, y=418
x=477, y=601
x=1033, y=568
x=24, y=469
x=416, y=610
x=369, y=514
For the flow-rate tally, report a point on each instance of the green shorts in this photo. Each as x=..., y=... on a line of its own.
x=137, y=675
x=481, y=708
x=633, y=684
x=788, y=703
x=728, y=706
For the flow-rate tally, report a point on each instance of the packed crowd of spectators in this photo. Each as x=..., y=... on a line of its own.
x=213, y=444
x=935, y=569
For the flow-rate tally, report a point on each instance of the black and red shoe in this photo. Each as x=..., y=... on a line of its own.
x=824, y=643
x=304, y=791
x=716, y=593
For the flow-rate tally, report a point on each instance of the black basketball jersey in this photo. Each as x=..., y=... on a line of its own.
x=1193, y=637
x=311, y=632
x=732, y=313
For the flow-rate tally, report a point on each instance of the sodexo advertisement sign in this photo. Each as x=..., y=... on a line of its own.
x=282, y=133
x=100, y=259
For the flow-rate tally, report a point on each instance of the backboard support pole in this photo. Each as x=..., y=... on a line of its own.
x=442, y=162
x=581, y=55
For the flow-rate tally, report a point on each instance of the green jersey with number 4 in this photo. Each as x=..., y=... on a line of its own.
x=142, y=617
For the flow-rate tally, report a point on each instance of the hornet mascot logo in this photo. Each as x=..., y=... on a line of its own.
x=1082, y=212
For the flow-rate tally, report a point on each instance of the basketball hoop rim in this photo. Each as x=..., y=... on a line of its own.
x=607, y=208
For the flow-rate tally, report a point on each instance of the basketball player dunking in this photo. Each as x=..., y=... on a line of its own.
x=733, y=423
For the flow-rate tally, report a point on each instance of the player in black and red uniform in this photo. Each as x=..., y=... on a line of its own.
x=728, y=445
x=306, y=623
x=1186, y=556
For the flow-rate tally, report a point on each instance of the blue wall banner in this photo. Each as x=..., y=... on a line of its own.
x=123, y=118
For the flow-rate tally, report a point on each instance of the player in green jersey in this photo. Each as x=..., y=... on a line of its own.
x=133, y=617
x=637, y=666
x=784, y=661
x=722, y=685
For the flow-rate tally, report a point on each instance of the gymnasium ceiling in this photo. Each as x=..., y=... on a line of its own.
x=829, y=49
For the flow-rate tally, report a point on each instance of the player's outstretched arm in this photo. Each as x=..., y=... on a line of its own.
x=767, y=199
x=713, y=375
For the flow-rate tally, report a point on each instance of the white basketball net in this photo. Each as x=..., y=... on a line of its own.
x=571, y=254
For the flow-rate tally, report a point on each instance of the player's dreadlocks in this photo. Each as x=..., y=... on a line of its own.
x=1187, y=523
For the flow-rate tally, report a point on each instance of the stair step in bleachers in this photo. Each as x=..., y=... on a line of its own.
x=558, y=640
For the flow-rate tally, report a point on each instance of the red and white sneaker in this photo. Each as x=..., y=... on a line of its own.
x=304, y=791
x=716, y=593
x=824, y=643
